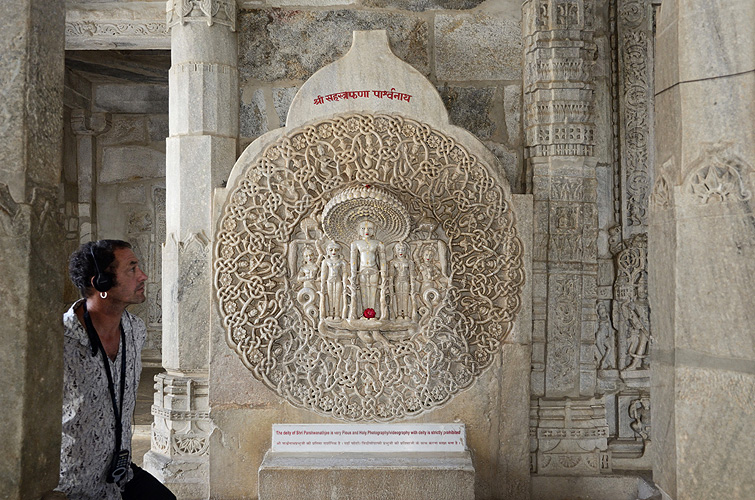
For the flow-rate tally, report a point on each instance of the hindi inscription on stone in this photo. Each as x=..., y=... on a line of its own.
x=367, y=266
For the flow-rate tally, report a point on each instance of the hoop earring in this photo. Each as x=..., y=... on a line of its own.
x=103, y=295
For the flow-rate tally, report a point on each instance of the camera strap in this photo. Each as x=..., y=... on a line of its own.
x=97, y=346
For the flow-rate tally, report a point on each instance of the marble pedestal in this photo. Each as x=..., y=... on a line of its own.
x=366, y=476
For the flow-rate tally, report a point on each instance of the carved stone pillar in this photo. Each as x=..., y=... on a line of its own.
x=701, y=247
x=31, y=239
x=201, y=149
x=86, y=127
x=569, y=426
x=634, y=24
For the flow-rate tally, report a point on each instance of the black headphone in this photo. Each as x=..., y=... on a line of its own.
x=102, y=281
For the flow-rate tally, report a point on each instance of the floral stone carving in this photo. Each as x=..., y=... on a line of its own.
x=367, y=267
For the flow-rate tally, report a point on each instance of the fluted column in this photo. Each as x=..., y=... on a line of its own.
x=200, y=151
x=32, y=264
x=568, y=422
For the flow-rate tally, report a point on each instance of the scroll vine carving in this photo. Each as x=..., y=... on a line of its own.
x=636, y=98
x=270, y=248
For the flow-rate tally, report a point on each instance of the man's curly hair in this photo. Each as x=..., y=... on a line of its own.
x=81, y=265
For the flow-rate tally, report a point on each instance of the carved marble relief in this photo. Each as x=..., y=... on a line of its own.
x=181, y=427
x=367, y=267
x=718, y=175
x=560, y=134
x=623, y=335
x=559, y=49
x=205, y=11
x=631, y=309
x=635, y=121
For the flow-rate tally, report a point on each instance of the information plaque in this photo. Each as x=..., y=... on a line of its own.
x=369, y=438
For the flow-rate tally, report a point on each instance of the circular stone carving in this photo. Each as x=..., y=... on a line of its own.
x=462, y=267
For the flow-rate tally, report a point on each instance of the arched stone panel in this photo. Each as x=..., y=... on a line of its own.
x=463, y=262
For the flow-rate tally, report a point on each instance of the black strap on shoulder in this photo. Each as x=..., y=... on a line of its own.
x=97, y=346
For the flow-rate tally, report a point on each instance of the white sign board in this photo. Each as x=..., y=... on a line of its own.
x=369, y=438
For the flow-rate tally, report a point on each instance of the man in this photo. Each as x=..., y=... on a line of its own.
x=102, y=365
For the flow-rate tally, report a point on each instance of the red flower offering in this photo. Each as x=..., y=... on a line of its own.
x=369, y=313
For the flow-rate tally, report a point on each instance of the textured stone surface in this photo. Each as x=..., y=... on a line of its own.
x=31, y=238
x=132, y=194
x=477, y=47
x=253, y=115
x=512, y=112
x=716, y=39
x=341, y=477
x=512, y=165
x=708, y=444
x=593, y=488
x=733, y=264
x=278, y=44
x=131, y=162
x=129, y=98
x=700, y=249
x=707, y=107
x=422, y=5
x=281, y=101
x=471, y=108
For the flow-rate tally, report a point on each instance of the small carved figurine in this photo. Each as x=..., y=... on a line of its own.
x=401, y=269
x=333, y=286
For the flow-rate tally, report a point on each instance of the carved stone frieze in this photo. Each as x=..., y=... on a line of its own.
x=718, y=175
x=210, y=11
x=631, y=309
x=661, y=196
x=634, y=32
x=182, y=417
x=568, y=437
x=367, y=267
x=558, y=90
x=639, y=413
x=93, y=28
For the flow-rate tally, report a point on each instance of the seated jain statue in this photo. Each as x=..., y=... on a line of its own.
x=367, y=272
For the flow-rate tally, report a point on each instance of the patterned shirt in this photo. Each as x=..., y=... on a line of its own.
x=88, y=441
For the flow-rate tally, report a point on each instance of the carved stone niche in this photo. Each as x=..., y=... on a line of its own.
x=367, y=265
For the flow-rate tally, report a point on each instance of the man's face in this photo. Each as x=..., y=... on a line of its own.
x=129, y=278
x=367, y=229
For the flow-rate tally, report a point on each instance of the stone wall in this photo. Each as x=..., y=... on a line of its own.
x=114, y=177
x=131, y=198
x=470, y=49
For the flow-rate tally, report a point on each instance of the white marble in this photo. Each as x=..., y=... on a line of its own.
x=368, y=438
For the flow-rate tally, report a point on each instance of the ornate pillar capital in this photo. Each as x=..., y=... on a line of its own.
x=212, y=12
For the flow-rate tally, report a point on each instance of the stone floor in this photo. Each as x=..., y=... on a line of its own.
x=140, y=442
